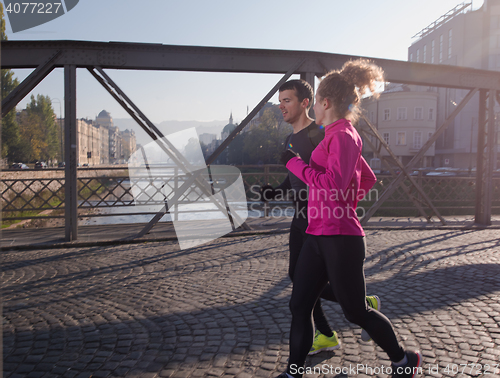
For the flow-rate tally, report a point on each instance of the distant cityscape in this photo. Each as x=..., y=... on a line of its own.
x=406, y=116
x=101, y=142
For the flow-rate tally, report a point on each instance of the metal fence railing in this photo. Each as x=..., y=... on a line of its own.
x=31, y=194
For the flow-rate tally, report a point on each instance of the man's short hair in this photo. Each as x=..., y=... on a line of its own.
x=302, y=89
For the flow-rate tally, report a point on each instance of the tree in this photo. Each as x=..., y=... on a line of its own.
x=10, y=128
x=39, y=132
x=32, y=144
x=235, y=150
x=265, y=142
x=42, y=107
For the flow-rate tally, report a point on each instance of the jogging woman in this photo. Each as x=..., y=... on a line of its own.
x=338, y=177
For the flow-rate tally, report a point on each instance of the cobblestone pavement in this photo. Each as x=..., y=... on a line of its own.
x=221, y=310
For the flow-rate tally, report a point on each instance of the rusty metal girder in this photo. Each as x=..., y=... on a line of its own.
x=485, y=157
x=72, y=55
x=404, y=172
x=70, y=152
x=146, y=56
x=394, y=184
x=29, y=83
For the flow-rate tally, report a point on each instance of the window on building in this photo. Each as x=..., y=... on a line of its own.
x=411, y=57
x=402, y=114
x=450, y=36
x=417, y=140
x=419, y=113
x=418, y=56
x=401, y=138
x=431, y=114
x=432, y=51
x=386, y=137
x=424, y=58
x=441, y=48
x=387, y=114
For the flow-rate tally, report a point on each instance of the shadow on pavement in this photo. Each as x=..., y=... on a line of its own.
x=81, y=313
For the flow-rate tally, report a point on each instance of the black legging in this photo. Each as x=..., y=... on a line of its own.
x=296, y=241
x=338, y=259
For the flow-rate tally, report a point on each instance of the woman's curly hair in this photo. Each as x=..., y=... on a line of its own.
x=344, y=88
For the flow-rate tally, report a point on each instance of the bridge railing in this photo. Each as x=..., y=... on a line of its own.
x=32, y=194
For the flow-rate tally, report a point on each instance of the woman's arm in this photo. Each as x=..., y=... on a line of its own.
x=342, y=157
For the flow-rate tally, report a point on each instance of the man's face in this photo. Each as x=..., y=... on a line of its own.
x=290, y=106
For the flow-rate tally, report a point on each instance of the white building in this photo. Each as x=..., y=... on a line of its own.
x=88, y=142
x=406, y=119
x=129, y=143
x=468, y=38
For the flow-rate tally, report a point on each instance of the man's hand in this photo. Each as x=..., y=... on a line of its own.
x=287, y=155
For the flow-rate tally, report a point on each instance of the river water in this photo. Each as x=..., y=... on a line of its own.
x=134, y=214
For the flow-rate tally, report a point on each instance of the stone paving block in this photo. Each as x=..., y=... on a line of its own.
x=166, y=373
x=224, y=305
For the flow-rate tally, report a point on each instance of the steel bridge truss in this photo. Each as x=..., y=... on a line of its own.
x=45, y=56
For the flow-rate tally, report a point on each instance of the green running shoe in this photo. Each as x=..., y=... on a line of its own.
x=322, y=342
x=374, y=302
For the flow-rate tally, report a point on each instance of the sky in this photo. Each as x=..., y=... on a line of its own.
x=379, y=29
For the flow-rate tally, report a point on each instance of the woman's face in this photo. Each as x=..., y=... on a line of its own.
x=319, y=109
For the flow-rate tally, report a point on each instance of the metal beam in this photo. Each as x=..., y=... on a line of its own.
x=406, y=189
x=394, y=184
x=490, y=154
x=252, y=114
x=140, y=56
x=481, y=147
x=485, y=158
x=29, y=83
x=162, y=142
x=404, y=170
x=144, y=56
x=70, y=145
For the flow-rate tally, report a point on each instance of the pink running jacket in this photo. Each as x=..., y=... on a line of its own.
x=338, y=177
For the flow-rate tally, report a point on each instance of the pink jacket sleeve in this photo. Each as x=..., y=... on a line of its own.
x=343, y=156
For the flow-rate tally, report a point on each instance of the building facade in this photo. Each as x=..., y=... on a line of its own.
x=88, y=142
x=405, y=119
x=462, y=37
x=99, y=142
x=129, y=143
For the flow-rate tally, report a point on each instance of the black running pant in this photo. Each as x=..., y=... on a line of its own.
x=337, y=259
x=296, y=240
